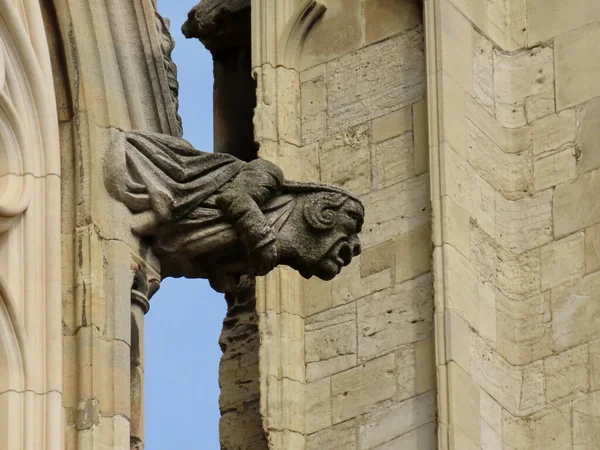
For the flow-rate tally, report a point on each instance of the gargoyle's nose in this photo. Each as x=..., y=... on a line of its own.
x=355, y=244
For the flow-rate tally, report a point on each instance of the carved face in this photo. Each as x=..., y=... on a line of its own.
x=330, y=248
x=347, y=245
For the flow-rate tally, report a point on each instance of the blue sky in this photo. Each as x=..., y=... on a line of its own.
x=184, y=322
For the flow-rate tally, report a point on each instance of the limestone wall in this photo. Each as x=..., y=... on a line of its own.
x=369, y=333
x=514, y=108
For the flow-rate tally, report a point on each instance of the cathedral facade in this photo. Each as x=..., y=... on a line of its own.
x=459, y=140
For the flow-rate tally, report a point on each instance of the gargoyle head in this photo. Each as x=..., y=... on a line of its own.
x=321, y=235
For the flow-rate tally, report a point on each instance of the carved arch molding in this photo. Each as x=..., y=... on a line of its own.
x=30, y=306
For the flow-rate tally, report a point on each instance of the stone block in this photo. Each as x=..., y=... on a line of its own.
x=318, y=405
x=464, y=402
x=576, y=312
x=461, y=286
x=575, y=206
x=483, y=73
x=457, y=41
x=553, y=133
x=392, y=125
x=358, y=390
x=388, y=423
x=540, y=105
x=421, y=438
x=384, y=18
x=393, y=161
x=491, y=414
x=339, y=437
x=336, y=33
x=550, y=18
x=518, y=76
x=346, y=287
x=453, y=128
x=406, y=372
x=420, y=137
x=589, y=136
x=396, y=210
x=314, y=110
x=524, y=328
x=595, y=365
x=567, y=373
x=470, y=191
x=563, y=260
x=555, y=169
x=413, y=253
x=554, y=430
x=490, y=438
x=378, y=258
x=458, y=340
x=487, y=322
x=456, y=226
x=577, y=56
x=376, y=80
x=345, y=160
x=586, y=422
x=317, y=295
x=330, y=342
x=392, y=318
x=510, y=173
x=425, y=365
x=509, y=140
x=524, y=224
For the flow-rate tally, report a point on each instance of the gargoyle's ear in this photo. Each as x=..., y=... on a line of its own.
x=320, y=210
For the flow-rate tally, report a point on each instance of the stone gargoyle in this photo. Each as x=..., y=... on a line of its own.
x=217, y=217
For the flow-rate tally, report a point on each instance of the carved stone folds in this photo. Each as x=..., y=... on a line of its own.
x=214, y=216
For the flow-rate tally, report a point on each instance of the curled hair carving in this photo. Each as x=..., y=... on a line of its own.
x=320, y=211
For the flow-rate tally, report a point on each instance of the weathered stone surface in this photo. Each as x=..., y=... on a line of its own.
x=357, y=390
x=314, y=110
x=553, y=133
x=392, y=125
x=483, y=73
x=464, y=402
x=589, y=136
x=423, y=437
x=540, y=105
x=576, y=312
x=575, y=206
x=318, y=405
x=384, y=18
x=345, y=159
x=549, y=18
x=577, y=66
x=406, y=372
x=420, y=137
x=359, y=90
x=567, y=373
x=331, y=342
x=461, y=286
x=555, y=169
x=562, y=261
x=413, y=253
x=595, y=365
x=518, y=76
x=457, y=46
x=387, y=424
x=336, y=33
x=524, y=328
x=586, y=422
x=338, y=437
x=378, y=258
x=396, y=210
x=391, y=318
x=425, y=365
x=510, y=173
x=505, y=382
x=524, y=224
x=393, y=161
